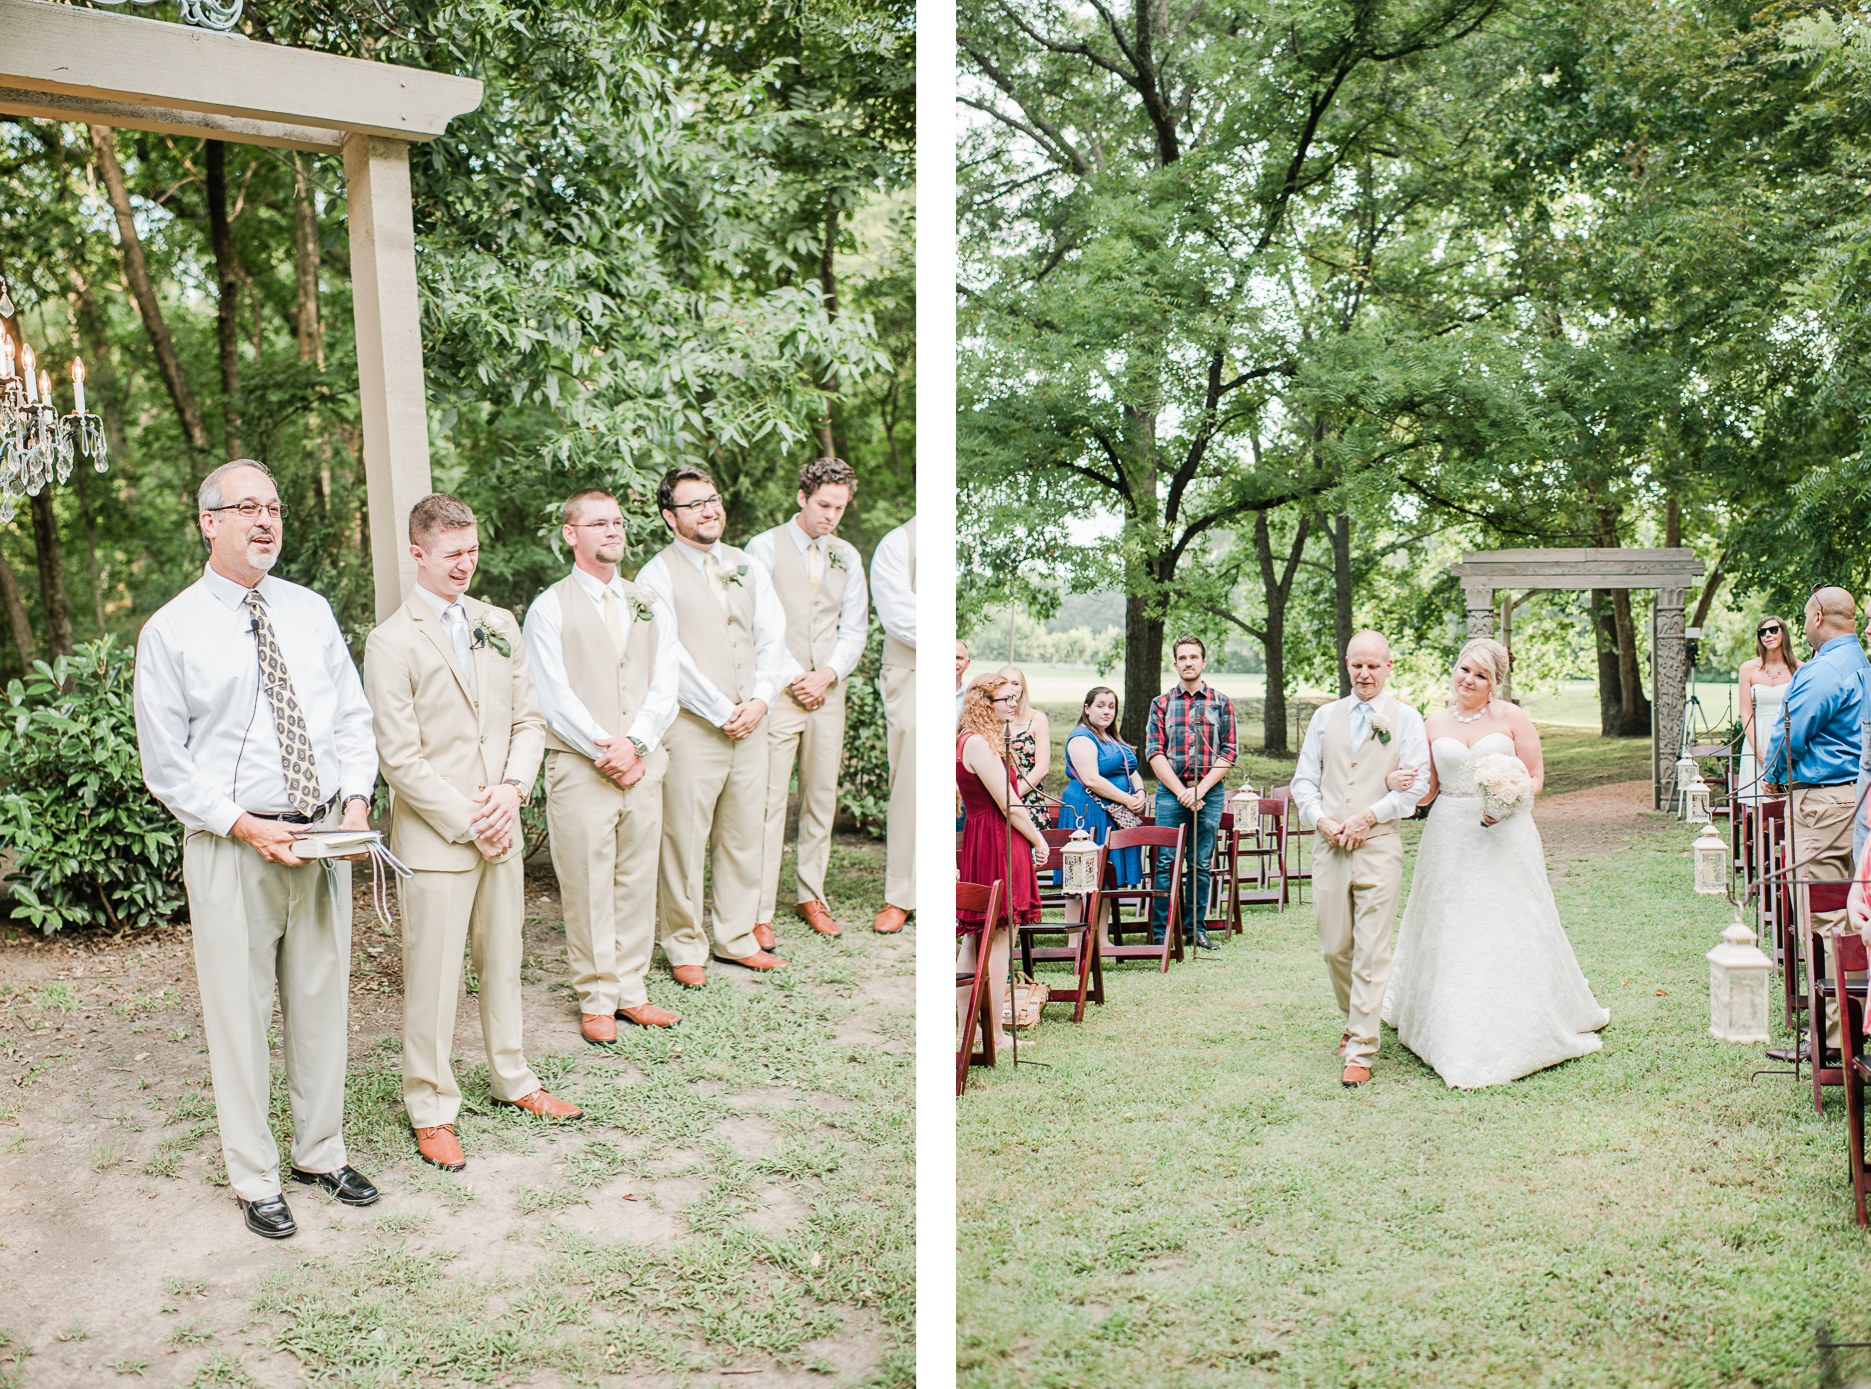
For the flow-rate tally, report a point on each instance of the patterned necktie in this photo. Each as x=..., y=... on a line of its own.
x=613, y=620
x=815, y=564
x=297, y=759
x=712, y=568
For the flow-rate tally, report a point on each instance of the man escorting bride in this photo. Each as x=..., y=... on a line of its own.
x=1482, y=984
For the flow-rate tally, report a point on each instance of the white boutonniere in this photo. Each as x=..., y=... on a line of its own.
x=486, y=635
x=733, y=576
x=835, y=557
x=1381, y=726
x=641, y=610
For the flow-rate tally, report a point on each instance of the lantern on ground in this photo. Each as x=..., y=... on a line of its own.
x=1711, y=854
x=1738, y=979
x=1687, y=775
x=1080, y=860
x=1698, y=803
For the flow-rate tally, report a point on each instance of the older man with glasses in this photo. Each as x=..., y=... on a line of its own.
x=732, y=663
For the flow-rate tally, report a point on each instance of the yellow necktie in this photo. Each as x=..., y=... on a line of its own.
x=815, y=564
x=712, y=568
x=613, y=620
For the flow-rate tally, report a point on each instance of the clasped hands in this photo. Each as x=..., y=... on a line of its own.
x=273, y=839
x=745, y=718
x=1346, y=834
x=618, y=760
x=811, y=688
x=493, y=831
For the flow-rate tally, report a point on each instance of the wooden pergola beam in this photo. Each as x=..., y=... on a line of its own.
x=55, y=106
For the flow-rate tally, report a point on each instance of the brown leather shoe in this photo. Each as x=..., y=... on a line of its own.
x=763, y=936
x=889, y=921
x=818, y=918
x=545, y=1106
x=440, y=1148
x=597, y=1028
x=758, y=960
x=1355, y=1075
x=689, y=976
x=649, y=1015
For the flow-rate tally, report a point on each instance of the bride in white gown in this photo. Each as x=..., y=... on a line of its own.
x=1484, y=986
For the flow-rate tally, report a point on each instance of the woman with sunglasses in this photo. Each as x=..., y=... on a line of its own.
x=1764, y=681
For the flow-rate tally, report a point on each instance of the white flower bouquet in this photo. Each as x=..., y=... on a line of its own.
x=1504, y=784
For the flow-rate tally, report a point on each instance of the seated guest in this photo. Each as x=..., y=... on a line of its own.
x=982, y=777
x=1103, y=786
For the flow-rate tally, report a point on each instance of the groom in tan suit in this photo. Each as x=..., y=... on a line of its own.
x=1352, y=747
x=459, y=738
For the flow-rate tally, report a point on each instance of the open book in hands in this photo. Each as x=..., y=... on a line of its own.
x=335, y=843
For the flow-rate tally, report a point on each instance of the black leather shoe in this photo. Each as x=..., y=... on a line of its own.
x=1792, y=1055
x=1202, y=941
x=346, y=1184
x=270, y=1218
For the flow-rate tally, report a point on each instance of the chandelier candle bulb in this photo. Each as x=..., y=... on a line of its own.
x=45, y=387
x=32, y=380
x=77, y=384
x=6, y=356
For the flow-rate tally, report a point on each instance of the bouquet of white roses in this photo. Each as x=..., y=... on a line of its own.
x=1504, y=784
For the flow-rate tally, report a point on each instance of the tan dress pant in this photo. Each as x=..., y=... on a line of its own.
x=605, y=842
x=257, y=924
x=899, y=686
x=714, y=811
x=1822, y=841
x=484, y=907
x=816, y=738
x=1355, y=907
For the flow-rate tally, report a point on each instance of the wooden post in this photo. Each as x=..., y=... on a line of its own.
x=1480, y=602
x=389, y=354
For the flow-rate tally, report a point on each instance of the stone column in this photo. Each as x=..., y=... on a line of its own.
x=1671, y=667
x=392, y=401
x=1480, y=603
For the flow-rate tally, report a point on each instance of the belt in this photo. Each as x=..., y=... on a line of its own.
x=1820, y=785
x=294, y=817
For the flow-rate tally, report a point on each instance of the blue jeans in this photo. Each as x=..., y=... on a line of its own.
x=1171, y=814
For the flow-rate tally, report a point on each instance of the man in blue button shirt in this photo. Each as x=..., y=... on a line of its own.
x=1821, y=719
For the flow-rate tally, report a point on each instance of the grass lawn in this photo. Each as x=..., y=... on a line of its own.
x=1187, y=1196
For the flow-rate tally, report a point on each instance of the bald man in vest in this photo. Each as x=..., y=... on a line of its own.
x=732, y=664
x=1352, y=746
x=893, y=590
x=820, y=582
x=605, y=664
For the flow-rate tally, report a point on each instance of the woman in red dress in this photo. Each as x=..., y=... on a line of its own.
x=982, y=777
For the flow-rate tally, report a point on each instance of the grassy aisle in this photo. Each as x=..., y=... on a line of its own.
x=1188, y=1197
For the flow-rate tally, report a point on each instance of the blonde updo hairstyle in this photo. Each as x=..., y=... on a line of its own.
x=1490, y=659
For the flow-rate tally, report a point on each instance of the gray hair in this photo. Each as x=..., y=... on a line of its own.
x=210, y=497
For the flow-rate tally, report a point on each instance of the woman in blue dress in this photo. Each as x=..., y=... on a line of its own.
x=1101, y=771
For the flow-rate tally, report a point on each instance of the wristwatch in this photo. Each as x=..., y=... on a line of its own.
x=643, y=748
x=348, y=799
x=517, y=786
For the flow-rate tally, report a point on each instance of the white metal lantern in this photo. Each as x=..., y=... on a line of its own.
x=1739, y=972
x=1698, y=803
x=1080, y=860
x=1687, y=775
x=1245, y=804
x=1711, y=852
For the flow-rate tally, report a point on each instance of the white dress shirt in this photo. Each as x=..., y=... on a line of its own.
x=454, y=617
x=564, y=712
x=774, y=667
x=1407, y=737
x=853, y=610
x=890, y=586
x=204, y=727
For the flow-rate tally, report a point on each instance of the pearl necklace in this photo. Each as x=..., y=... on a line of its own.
x=1460, y=717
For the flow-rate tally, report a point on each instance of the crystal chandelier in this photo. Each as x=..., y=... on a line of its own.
x=37, y=444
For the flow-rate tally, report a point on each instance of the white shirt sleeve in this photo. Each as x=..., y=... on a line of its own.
x=890, y=587
x=1308, y=797
x=854, y=616
x=774, y=666
x=352, y=728
x=564, y=712
x=760, y=550
x=1412, y=751
x=658, y=710
x=162, y=723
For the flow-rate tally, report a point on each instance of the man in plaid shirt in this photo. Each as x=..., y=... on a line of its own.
x=1190, y=744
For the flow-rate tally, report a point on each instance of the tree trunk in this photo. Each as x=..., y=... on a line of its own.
x=89, y=518
x=1709, y=589
x=227, y=292
x=1634, y=713
x=1673, y=522
x=828, y=286
x=305, y=257
x=143, y=292
x=1339, y=528
x=1605, y=637
x=51, y=575
x=1279, y=591
x=16, y=615
x=1143, y=664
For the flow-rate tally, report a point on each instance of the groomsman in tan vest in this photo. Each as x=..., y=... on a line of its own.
x=732, y=665
x=820, y=582
x=604, y=662
x=1342, y=786
x=459, y=739
x=893, y=590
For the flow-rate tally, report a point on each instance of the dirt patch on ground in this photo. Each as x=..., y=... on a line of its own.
x=1601, y=820
x=743, y=1131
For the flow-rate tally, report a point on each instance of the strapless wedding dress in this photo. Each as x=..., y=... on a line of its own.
x=1484, y=986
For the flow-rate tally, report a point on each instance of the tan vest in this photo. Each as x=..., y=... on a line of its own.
x=612, y=688
x=895, y=652
x=721, y=647
x=811, y=618
x=1353, y=781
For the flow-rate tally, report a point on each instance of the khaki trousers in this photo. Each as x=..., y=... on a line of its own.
x=816, y=737
x=1355, y=906
x=484, y=907
x=899, y=686
x=605, y=842
x=714, y=811
x=257, y=924
x=1822, y=844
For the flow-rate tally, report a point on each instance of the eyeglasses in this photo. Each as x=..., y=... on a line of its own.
x=251, y=509
x=616, y=525
x=705, y=504
x=1005, y=699
x=1768, y=631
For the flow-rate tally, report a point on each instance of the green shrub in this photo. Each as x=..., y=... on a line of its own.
x=864, y=780
x=94, y=846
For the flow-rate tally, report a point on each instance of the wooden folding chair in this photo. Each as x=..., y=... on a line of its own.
x=1080, y=948
x=1153, y=840
x=1773, y=903
x=1294, y=866
x=972, y=897
x=1812, y=899
x=1269, y=854
x=1848, y=956
x=1224, y=867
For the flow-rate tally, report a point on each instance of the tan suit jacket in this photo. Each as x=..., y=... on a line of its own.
x=437, y=742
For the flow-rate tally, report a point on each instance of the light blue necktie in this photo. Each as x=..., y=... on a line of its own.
x=1360, y=722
